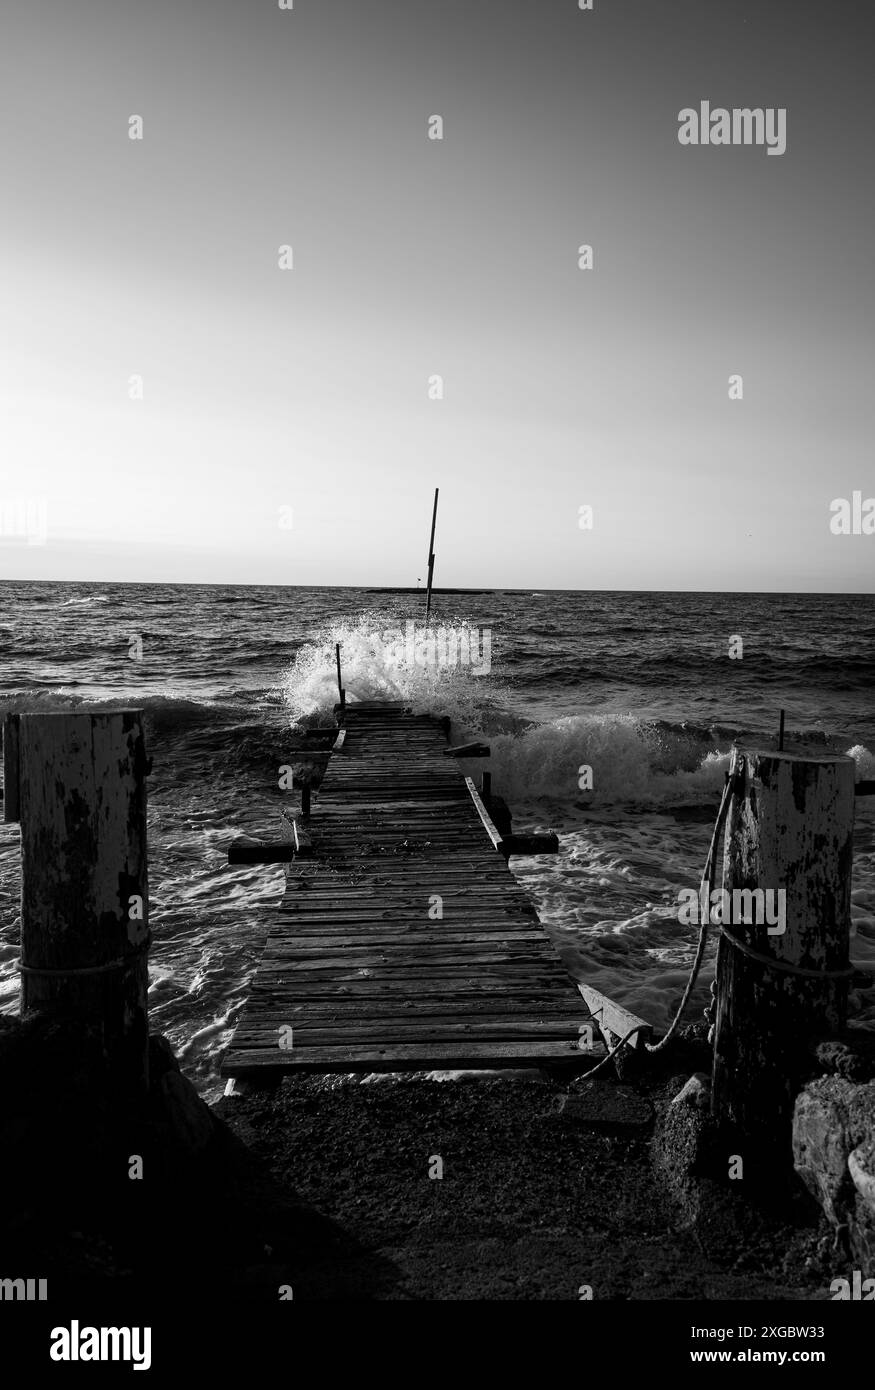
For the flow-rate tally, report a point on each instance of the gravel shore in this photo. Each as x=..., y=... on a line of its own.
x=545, y=1193
x=413, y=1188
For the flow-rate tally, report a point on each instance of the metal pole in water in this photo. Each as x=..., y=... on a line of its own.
x=340, y=690
x=431, y=558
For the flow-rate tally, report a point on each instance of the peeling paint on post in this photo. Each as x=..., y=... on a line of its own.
x=83, y=859
x=790, y=826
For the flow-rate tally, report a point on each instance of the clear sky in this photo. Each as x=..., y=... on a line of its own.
x=308, y=388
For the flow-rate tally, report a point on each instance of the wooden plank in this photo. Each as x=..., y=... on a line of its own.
x=407, y=903
x=401, y=1057
x=391, y=890
x=289, y=943
x=342, y=932
x=614, y=1019
x=396, y=899
x=406, y=976
x=381, y=961
x=281, y=1009
x=400, y=922
x=354, y=1031
x=373, y=940
x=411, y=984
x=403, y=906
x=379, y=900
x=277, y=1010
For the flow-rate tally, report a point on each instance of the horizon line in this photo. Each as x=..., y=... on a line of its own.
x=406, y=590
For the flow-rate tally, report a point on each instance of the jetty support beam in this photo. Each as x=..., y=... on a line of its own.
x=529, y=844
x=468, y=750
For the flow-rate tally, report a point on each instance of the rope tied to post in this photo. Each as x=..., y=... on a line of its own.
x=784, y=967
x=120, y=963
x=707, y=881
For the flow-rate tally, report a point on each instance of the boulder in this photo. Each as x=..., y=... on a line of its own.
x=831, y=1118
x=861, y=1166
x=695, y=1092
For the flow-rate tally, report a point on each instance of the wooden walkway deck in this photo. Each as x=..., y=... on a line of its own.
x=357, y=969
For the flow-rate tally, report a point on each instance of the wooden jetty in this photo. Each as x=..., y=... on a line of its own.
x=403, y=941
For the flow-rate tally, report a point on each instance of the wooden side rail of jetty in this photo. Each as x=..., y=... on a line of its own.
x=508, y=844
x=404, y=942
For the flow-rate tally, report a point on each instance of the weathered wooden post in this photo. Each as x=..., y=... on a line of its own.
x=789, y=830
x=11, y=792
x=81, y=801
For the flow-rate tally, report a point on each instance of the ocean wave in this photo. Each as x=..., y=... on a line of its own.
x=164, y=712
x=576, y=761
x=605, y=758
x=378, y=662
x=591, y=758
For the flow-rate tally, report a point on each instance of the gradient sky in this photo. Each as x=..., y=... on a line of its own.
x=308, y=388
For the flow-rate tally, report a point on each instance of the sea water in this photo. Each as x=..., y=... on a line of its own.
x=641, y=689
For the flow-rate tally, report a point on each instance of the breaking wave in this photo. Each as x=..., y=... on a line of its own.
x=446, y=669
